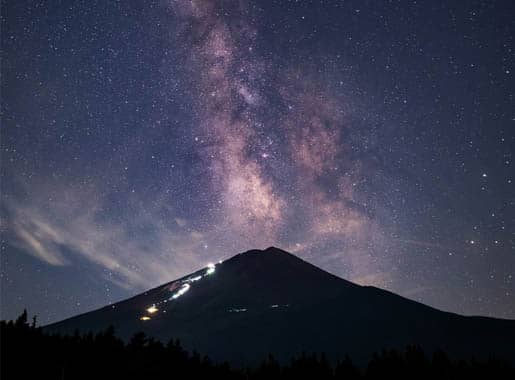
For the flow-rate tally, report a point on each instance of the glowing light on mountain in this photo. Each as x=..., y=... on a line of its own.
x=236, y=310
x=144, y=318
x=152, y=309
x=210, y=269
x=193, y=279
x=181, y=291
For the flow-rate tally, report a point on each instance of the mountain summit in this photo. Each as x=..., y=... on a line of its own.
x=270, y=301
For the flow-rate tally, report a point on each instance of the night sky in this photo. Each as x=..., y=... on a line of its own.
x=141, y=140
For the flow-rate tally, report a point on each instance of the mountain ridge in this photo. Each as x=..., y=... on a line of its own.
x=271, y=301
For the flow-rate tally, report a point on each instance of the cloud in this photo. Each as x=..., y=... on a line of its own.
x=76, y=225
x=40, y=245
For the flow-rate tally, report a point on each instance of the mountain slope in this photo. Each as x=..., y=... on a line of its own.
x=270, y=301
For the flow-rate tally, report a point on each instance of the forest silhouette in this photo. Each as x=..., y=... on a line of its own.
x=28, y=352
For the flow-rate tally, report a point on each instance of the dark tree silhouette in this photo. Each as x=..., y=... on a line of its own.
x=28, y=353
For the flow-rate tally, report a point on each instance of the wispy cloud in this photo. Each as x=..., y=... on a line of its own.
x=59, y=230
x=34, y=243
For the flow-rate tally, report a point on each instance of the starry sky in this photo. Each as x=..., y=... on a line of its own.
x=141, y=140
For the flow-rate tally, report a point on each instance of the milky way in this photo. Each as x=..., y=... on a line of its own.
x=142, y=141
x=272, y=138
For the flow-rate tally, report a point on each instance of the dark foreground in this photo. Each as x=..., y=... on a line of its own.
x=29, y=353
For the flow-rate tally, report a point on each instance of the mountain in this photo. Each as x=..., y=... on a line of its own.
x=271, y=301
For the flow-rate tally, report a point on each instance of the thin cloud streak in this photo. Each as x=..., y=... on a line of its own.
x=73, y=226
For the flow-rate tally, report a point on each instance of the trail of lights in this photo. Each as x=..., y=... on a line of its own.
x=181, y=287
x=178, y=289
x=235, y=310
x=244, y=309
x=276, y=306
x=180, y=292
x=194, y=279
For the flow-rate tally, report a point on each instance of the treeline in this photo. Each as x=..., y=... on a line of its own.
x=28, y=353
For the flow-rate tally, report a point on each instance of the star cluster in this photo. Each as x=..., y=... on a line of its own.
x=142, y=140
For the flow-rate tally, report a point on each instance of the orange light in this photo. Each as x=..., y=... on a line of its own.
x=152, y=309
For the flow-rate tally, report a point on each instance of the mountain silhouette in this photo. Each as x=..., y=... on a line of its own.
x=270, y=301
